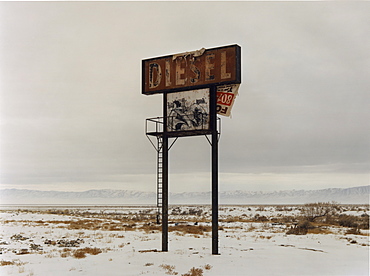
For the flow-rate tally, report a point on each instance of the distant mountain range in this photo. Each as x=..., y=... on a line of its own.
x=356, y=195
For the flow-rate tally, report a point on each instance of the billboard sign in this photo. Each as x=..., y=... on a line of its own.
x=188, y=111
x=226, y=95
x=192, y=70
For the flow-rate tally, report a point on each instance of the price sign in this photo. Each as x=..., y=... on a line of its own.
x=225, y=98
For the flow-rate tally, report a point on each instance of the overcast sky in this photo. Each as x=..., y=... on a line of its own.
x=73, y=116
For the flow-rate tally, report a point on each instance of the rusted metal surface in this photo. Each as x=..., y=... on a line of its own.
x=191, y=70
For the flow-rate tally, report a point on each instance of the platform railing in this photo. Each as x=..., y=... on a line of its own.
x=155, y=126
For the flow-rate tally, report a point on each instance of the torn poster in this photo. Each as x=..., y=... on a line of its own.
x=225, y=98
x=188, y=111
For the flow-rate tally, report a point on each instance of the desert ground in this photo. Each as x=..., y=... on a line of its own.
x=312, y=239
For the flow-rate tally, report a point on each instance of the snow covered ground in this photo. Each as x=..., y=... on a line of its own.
x=116, y=240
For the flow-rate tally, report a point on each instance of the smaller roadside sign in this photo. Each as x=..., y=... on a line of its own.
x=226, y=95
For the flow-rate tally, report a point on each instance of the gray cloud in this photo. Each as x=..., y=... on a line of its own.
x=72, y=109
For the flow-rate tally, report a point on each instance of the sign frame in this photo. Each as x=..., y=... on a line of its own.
x=180, y=72
x=188, y=113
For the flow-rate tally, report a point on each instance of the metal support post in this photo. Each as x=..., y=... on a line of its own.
x=165, y=179
x=213, y=121
x=165, y=195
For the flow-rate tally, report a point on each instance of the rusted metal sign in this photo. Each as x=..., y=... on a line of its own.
x=191, y=70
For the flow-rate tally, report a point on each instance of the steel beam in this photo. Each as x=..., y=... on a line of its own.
x=165, y=179
x=214, y=156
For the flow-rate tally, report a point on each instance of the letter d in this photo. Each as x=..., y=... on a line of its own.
x=154, y=69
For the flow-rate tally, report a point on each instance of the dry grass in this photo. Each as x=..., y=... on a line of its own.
x=148, y=250
x=194, y=272
x=15, y=262
x=355, y=231
x=3, y=263
x=207, y=267
x=264, y=237
x=81, y=253
x=169, y=269
x=66, y=252
x=150, y=228
x=319, y=230
x=190, y=229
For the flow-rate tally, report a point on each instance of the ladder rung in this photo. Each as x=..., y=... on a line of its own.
x=159, y=174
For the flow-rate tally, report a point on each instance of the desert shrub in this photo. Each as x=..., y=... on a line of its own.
x=191, y=229
x=207, y=267
x=176, y=211
x=313, y=211
x=194, y=272
x=353, y=231
x=319, y=230
x=257, y=217
x=195, y=212
x=305, y=225
x=150, y=227
x=84, y=224
x=81, y=253
x=170, y=269
x=93, y=251
x=3, y=263
x=364, y=222
x=330, y=219
x=66, y=252
x=347, y=221
x=361, y=222
x=251, y=228
x=301, y=228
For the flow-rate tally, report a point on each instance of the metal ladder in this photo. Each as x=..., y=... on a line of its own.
x=159, y=177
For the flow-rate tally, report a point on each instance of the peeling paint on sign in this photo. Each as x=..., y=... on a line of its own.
x=191, y=70
x=192, y=54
